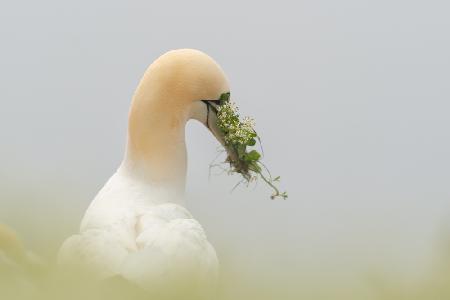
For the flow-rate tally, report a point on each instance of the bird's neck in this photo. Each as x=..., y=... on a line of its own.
x=156, y=149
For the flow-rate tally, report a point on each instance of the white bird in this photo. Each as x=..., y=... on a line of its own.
x=137, y=226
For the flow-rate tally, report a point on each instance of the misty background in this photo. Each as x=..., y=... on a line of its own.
x=351, y=99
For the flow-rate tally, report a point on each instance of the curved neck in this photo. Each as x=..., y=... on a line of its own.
x=165, y=99
x=156, y=150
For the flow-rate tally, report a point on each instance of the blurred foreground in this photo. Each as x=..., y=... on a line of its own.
x=25, y=276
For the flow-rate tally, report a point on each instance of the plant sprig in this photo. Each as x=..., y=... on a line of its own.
x=239, y=136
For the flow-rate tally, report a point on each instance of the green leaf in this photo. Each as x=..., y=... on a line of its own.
x=224, y=98
x=253, y=155
x=252, y=142
x=277, y=178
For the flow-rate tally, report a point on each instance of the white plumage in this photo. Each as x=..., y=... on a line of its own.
x=128, y=230
x=137, y=226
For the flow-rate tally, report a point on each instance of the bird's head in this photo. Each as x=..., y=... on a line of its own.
x=178, y=86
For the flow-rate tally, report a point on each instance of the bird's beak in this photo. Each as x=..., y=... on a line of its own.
x=211, y=123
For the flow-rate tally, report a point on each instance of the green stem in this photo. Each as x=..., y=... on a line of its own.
x=269, y=182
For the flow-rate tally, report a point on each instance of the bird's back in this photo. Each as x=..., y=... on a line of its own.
x=131, y=230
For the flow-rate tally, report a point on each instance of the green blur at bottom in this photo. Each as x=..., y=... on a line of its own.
x=237, y=282
x=51, y=283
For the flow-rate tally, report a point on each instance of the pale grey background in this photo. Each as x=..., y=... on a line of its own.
x=351, y=99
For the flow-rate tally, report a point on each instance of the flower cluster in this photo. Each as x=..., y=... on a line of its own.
x=239, y=135
x=237, y=132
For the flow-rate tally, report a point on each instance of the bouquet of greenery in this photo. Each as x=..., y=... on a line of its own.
x=241, y=138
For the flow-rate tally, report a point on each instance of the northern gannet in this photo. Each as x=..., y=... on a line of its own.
x=137, y=226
